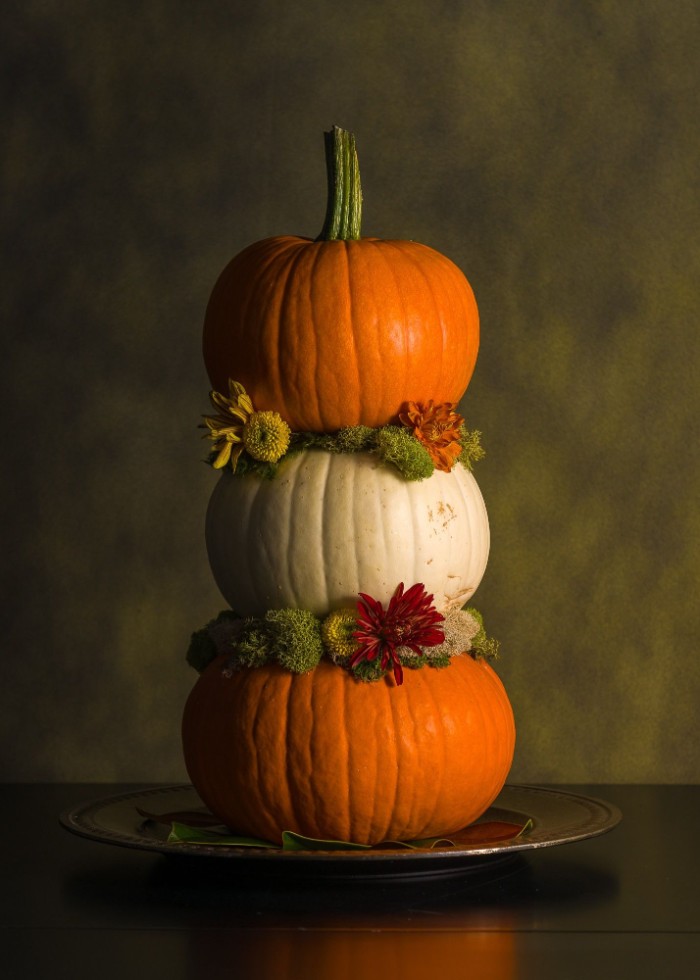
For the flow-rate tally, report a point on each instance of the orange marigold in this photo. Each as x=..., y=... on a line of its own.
x=437, y=428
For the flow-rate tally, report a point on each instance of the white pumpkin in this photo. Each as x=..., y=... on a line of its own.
x=331, y=525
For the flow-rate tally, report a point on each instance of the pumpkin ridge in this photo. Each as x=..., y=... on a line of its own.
x=478, y=535
x=345, y=776
x=437, y=713
x=262, y=797
x=390, y=407
x=301, y=720
x=310, y=278
x=387, y=811
x=341, y=747
x=383, y=526
x=344, y=333
x=487, y=708
x=290, y=764
x=413, y=805
x=416, y=527
x=282, y=340
x=363, y=757
x=268, y=338
x=501, y=717
x=352, y=254
x=294, y=544
x=408, y=257
x=357, y=505
x=328, y=506
x=259, y=544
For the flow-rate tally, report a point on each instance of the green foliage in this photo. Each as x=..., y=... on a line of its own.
x=472, y=450
x=483, y=647
x=253, y=647
x=203, y=649
x=265, y=470
x=355, y=439
x=292, y=637
x=437, y=659
x=312, y=440
x=295, y=638
x=368, y=670
x=396, y=445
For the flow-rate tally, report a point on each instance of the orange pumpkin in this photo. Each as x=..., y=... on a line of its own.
x=331, y=757
x=341, y=330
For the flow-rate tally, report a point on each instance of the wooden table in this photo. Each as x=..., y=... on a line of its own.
x=623, y=905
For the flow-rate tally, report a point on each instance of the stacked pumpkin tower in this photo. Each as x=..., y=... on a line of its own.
x=347, y=693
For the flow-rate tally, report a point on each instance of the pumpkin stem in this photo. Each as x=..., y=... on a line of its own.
x=344, y=208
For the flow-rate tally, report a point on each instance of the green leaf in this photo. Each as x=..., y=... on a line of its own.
x=526, y=828
x=488, y=832
x=180, y=833
x=297, y=842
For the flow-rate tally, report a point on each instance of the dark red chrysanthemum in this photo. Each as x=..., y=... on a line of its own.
x=410, y=620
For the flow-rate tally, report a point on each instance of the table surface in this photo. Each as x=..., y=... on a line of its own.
x=625, y=904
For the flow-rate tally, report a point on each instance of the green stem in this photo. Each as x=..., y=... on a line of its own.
x=344, y=209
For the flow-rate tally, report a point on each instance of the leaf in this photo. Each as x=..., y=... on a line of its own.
x=193, y=818
x=297, y=842
x=479, y=834
x=180, y=833
x=489, y=832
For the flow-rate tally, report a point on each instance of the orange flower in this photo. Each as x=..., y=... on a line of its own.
x=437, y=428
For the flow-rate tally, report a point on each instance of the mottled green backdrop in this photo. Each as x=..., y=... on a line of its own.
x=551, y=149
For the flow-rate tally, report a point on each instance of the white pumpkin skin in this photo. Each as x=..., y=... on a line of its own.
x=329, y=526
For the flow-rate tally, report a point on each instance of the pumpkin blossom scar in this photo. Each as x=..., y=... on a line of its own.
x=437, y=427
x=410, y=620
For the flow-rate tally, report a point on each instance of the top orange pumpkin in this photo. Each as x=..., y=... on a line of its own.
x=342, y=330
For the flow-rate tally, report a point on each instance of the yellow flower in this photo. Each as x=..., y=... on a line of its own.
x=226, y=428
x=266, y=436
x=336, y=631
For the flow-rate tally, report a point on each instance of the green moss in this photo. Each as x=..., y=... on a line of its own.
x=395, y=445
x=438, y=659
x=399, y=447
x=246, y=464
x=312, y=440
x=203, y=648
x=483, y=647
x=295, y=638
x=472, y=450
x=253, y=647
x=368, y=670
x=355, y=439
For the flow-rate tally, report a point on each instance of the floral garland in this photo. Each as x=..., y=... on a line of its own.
x=369, y=641
x=429, y=437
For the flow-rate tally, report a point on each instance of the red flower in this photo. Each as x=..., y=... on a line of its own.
x=409, y=621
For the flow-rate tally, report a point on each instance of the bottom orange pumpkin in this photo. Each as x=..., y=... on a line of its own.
x=332, y=757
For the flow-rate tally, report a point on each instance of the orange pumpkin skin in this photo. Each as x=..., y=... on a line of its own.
x=334, y=758
x=338, y=333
